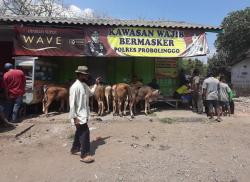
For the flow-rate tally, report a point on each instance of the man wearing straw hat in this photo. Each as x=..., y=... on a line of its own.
x=79, y=113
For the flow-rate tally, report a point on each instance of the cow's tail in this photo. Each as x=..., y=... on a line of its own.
x=45, y=96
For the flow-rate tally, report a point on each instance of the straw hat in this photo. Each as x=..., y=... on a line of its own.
x=82, y=69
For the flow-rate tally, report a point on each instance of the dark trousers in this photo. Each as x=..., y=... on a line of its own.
x=176, y=95
x=199, y=104
x=82, y=139
x=194, y=102
x=12, y=108
x=206, y=107
x=231, y=103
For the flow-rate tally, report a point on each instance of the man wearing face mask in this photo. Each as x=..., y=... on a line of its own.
x=79, y=113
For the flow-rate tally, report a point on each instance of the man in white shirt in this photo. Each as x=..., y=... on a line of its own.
x=210, y=93
x=79, y=113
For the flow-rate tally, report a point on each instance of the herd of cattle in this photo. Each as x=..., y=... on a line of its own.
x=120, y=95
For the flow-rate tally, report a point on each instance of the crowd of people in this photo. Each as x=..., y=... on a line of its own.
x=212, y=93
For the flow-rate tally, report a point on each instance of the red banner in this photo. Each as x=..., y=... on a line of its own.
x=110, y=41
x=48, y=42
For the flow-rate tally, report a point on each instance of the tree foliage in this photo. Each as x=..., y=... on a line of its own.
x=232, y=43
x=32, y=7
x=189, y=65
x=46, y=8
x=236, y=37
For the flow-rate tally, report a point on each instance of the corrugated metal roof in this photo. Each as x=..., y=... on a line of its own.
x=107, y=22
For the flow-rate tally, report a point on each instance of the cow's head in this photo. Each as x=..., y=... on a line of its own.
x=156, y=93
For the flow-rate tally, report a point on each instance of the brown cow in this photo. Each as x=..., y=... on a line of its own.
x=114, y=103
x=134, y=89
x=124, y=95
x=132, y=102
x=121, y=93
x=147, y=94
x=108, y=95
x=100, y=97
x=102, y=92
x=55, y=93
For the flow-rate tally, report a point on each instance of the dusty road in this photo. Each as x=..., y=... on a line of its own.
x=166, y=146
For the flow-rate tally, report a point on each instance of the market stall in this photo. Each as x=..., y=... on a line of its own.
x=117, y=50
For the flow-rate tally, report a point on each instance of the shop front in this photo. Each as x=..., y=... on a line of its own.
x=116, y=52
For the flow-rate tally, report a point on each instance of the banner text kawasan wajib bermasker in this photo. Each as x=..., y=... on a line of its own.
x=109, y=42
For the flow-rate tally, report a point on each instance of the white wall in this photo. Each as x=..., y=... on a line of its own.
x=240, y=76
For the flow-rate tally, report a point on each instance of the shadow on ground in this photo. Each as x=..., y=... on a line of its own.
x=6, y=128
x=96, y=143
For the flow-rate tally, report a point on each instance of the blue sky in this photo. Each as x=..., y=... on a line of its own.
x=209, y=12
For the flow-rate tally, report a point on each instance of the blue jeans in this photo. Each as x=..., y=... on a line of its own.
x=12, y=108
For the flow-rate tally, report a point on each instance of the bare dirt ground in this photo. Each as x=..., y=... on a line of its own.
x=165, y=146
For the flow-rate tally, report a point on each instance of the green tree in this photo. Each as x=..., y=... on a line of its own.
x=232, y=43
x=236, y=37
x=189, y=65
